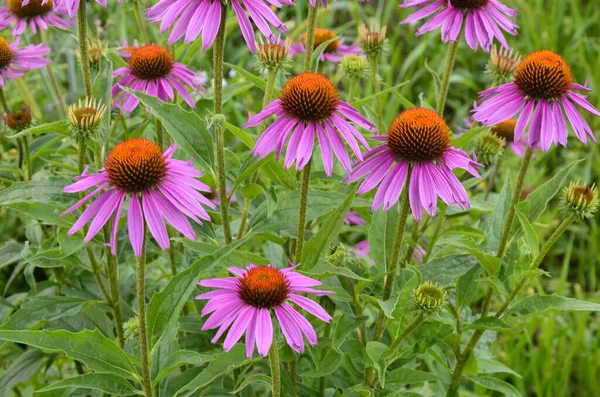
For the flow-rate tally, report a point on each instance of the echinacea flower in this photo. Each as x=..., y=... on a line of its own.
x=310, y=107
x=353, y=218
x=152, y=69
x=138, y=169
x=542, y=93
x=37, y=14
x=483, y=20
x=18, y=120
x=245, y=304
x=417, y=145
x=72, y=6
x=15, y=61
x=334, y=52
x=190, y=18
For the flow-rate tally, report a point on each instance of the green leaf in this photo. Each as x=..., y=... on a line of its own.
x=22, y=369
x=90, y=347
x=327, y=366
x=381, y=237
x=544, y=303
x=531, y=239
x=42, y=309
x=366, y=100
x=323, y=270
x=536, y=202
x=406, y=376
x=318, y=52
x=46, y=212
x=314, y=248
x=10, y=253
x=489, y=324
x=465, y=138
x=243, y=135
x=488, y=366
x=256, y=80
x=376, y=352
x=466, y=288
x=489, y=262
x=51, y=258
x=495, y=384
x=219, y=366
x=252, y=191
x=346, y=324
x=60, y=127
x=186, y=128
x=107, y=383
x=495, y=223
x=45, y=191
x=179, y=358
x=254, y=379
x=444, y=270
x=423, y=338
x=164, y=306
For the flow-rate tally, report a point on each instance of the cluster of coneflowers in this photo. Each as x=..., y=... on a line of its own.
x=410, y=163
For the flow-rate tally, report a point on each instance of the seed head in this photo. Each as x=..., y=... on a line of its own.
x=131, y=329
x=580, y=200
x=309, y=97
x=264, y=287
x=543, y=75
x=151, y=62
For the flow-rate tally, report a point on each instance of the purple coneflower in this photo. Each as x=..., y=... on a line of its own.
x=36, y=14
x=484, y=20
x=310, y=107
x=542, y=89
x=244, y=304
x=334, y=52
x=152, y=69
x=204, y=16
x=353, y=218
x=138, y=169
x=15, y=61
x=418, y=140
x=71, y=5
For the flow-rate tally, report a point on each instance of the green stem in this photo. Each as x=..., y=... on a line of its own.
x=275, y=370
x=414, y=236
x=218, y=58
x=352, y=89
x=140, y=21
x=56, y=87
x=302, y=211
x=20, y=156
x=376, y=90
x=3, y=102
x=113, y=284
x=403, y=211
x=27, y=158
x=96, y=271
x=310, y=36
x=83, y=48
x=450, y=60
x=271, y=75
x=436, y=232
x=414, y=325
x=493, y=177
x=538, y=260
x=82, y=154
x=159, y=133
x=141, y=303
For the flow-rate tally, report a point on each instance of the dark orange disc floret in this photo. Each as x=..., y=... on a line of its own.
x=419, y=135
x=264, y=287
x=468, y=4
x=5, y=53
x=18, y=119
x=33, y=9
x=543, y=75
x=309, y=97
x=151, y=62
x=505, y=130
x=322, y=36
x=136, y=165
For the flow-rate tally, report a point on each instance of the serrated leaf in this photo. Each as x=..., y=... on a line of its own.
x=107, y=383
x=90, y=347
x=41, y=309
x=531, y=238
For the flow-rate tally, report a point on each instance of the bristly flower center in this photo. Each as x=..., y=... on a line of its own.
x=468, y=4
x=419, y=135
x=544, y=75
x=263, y=287
x=151, y=62
x=19, y=119
x=309, y=97
x=136, y=165
x=505, y=130
x=322, y=36
x=5, y=53
x=33, y=9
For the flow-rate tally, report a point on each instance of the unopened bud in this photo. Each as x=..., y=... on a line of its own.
x=580, y=200
x=429, y=297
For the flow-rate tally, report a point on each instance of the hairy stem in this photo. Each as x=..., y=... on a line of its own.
x=83, y=48
x=376, y=90
x=310, y=36
x=140, y=21
x=275, y=372
x=27, y=158
x=302, y=211
x=448, y=68
x=113, y=283
x=141, y=303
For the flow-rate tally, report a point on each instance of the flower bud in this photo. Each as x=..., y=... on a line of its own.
x=580, y=200
x=429, y=297
x=372, y=41
x=272, y=56
x=338, y=255
x=503, y=63
x=95, y=51
x=18, y=120
x=131, y=329
x=489, y=148
x=354, y=66
x=85, y=117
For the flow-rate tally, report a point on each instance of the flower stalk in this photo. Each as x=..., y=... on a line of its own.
x=310, y=36
x=376, y=90
x=82, y=32
x=218, y=59
x=275, y=370
x=143, y=331
x=302, y=211
x=448, y=68
x=140, y=21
